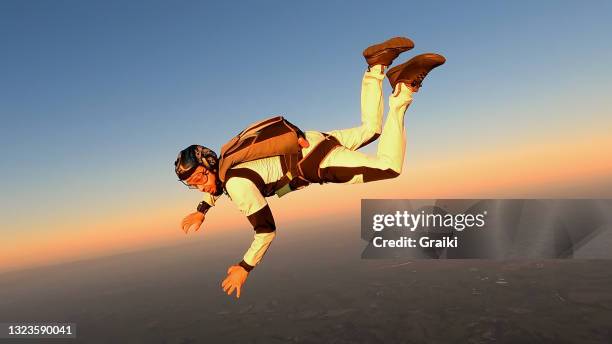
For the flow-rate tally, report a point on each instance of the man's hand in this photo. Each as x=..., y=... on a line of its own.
x=236, y=276
x=193, y=219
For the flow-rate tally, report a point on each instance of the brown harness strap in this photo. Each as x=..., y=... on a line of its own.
x=298, y=171
x=248, y=174
x=308, y=168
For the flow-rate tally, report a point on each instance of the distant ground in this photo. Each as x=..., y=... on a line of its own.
x=314, y=288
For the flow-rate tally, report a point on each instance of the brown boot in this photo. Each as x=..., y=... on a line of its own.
x=384, y=53
x=415, y=70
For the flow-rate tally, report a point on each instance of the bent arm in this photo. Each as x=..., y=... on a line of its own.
x=207, y=203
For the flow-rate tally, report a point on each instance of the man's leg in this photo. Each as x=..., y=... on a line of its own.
x=344, y=165
x=372, y=105
x=378, y=57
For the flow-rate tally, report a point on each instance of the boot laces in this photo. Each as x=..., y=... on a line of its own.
x=418, y=80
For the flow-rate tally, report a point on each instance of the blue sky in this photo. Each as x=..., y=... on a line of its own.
x=97, y=97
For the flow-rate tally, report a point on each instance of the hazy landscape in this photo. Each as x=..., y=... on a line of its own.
x=313, y=287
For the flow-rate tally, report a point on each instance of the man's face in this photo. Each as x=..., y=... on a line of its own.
x=205, y=180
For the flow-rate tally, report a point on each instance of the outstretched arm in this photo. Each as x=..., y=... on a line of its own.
x=265, y=231
x=237, y=274
x=250, y=202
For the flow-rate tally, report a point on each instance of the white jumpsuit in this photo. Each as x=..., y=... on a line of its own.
x=343, y=164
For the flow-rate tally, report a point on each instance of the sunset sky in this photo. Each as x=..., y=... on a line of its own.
x=98, y=97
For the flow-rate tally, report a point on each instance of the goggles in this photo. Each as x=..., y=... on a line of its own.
x=202, y=178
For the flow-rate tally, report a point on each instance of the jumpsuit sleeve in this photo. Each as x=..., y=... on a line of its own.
x=207, y=203
x=252, y=203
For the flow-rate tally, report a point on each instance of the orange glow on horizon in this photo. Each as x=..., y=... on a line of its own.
x=535, y=170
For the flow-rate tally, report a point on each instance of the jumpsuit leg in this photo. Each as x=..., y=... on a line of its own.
x=372, y=106
x=343, y=165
